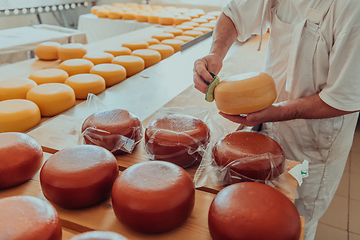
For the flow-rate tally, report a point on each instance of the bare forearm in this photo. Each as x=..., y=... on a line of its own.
x=223, y=37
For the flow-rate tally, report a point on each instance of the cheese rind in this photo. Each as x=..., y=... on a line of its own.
x=167, y=19
x=52, y=98
x=245, y=93
x=71, y=51
x=151, y=57
x=165, y=50
x=51, y=75
x=184, y=38
x=132, y=64
x=47, y=50
x=202, y=29
x=174, y=31
x=175, y=43
x=18, y=115
x=134, y=45
x=193, y=33
x=163, y=35
x=118, y=51
x=86, y=83
x=112, y=73
x=152, y=41
x=184, y=27
x=99, y=57
x=76, y=66
x=15, y=88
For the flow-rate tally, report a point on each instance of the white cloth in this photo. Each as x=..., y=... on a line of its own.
x=304, y=61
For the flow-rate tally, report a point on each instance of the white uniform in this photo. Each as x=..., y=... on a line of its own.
x=309, y=52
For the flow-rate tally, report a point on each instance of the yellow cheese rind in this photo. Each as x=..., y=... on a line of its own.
x=132, y=64
x=52, y=98
x=151, y=57
x=193, y=33
x=112, y=73
x=181, y=19
x=47, y=51
x=175, y=43
x=245, y=93
x=15, y=88
x=76, y=66
x=167, y=20
x=99, y=57
x=165, y=50
x=163, y=36
x=118, y=51
x=185, y=27
x=200, y=20
x=142, y=17
x=154, y=18
x=202, y=29
x=184, y=38
x=50, y=75
x=115, y=14
x=71, y=51
x=174, y=31
x=129, y=15
x=152, y=41
x=134, y=45
x=18, y=115
x=86, y=83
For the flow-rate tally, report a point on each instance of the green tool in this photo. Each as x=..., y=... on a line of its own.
x=209, y=95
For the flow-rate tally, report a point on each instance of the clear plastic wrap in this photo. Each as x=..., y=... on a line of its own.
x=179, y=135
x=117, y=130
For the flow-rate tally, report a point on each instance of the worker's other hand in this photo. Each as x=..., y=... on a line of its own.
x=202, y=67
x=269, y=114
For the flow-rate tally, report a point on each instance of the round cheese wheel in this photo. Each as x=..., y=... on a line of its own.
x=15, y=88
x=86, y=83
x=99, y=57
x=192, y=15
x=200, y=20
x=118, y=51
x=30, y=218
x=252, y=211
x=21, y=158
x=184, y=27
x=152, y=41
x=98, y=235
x=112, y=73
x=165, y=50
x=142, y=17
x=250, y=156
x=137, y=44
x=193, y=24
x=162, y=36
x=52, y=98
x=174, y=31
x=115, y=14
x=167, y=19
x=184, y=38
x=129, y=15
x=79, y=176
x=175, y=43
x=198, y=11
x=181, y=19
x=161, y=203
x=154, y=18
x=202, y=29
x=49, y=76
x=116, y=130
x=151, y=57
x=47, y=50
x=132, y=64
x=213, y=21
x=245, y=93
x=208, y=25
x=214, y=13
x=208, y=17
x=71, y=51
x=193, y=33
x=94, y=9
x=176, y=138
x=76, y=66
x=119, y=5
x=102, y=12
x=18, y=115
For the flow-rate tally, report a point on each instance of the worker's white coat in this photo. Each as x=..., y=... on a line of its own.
x=310, y=53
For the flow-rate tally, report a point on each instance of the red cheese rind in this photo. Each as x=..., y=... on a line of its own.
x=176, y=138
x=30, y=218
x=21, y=158
x=250, y=156
x=161, y=203
x=79, y=176
x=98, y=235
x=251, y=211
x=112, y=125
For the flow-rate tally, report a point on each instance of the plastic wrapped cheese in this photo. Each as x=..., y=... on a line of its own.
x=51, y=75
x=76, y=66
x=47, y=50
x=86, y=83
x=98, y=235
x=15, y=88
x=112, y=73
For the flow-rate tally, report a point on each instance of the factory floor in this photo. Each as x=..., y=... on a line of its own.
x=342, y=219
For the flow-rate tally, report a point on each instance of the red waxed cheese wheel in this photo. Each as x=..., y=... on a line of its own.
x=251, y=155
x=116, y=130
x=21, y=157
x=30, y=218
x=98, y=235
x=253, y=211
x=153, y=197
x=79, y=176
x=175, y=138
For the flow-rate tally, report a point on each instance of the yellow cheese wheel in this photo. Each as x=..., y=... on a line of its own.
x=213, y=21
x=208, y=17
x=152, y=41
x=175, y=43
x=15, y=88
x=76, y=66
x=71, y=51
x=18, y=115
x=137, y=44
x=184, y=27
x=52, y=98
x=86, y=83
x=193, y=33
x=132, y=64
x=198, y=11
x=150, y=57
x=164, y=50
x=181, y=19
x=99, y=57
x=162, y=36
x=118, y=51
x=202, y=29
x=115, y=14
x=200, y=20
x=192, y=24
x=174, y=31
x=142, y=17
x=47, y=50
x=208, y=25
x=129, y=15
x=51, y=75
x=214, y=13
x=245, y=93
x=167, y=20
x=102, y=12
x=154, y=18
x=118, y=5
x=192, y=15
x=94, y=9
x=184, y=38
x=112, y=73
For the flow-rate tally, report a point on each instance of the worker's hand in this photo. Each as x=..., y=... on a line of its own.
x=270, y=114
x=202, y=67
